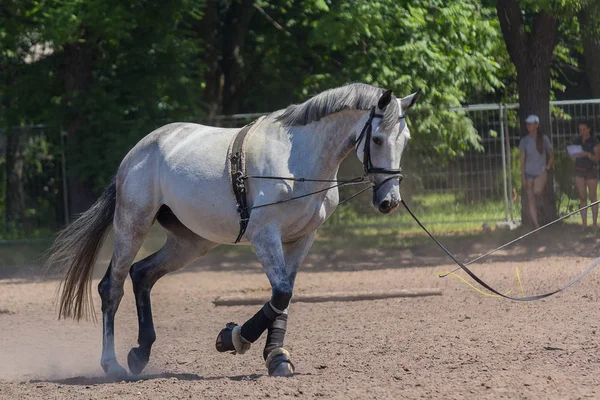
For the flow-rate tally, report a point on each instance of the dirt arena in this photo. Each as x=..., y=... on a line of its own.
x=455, y=346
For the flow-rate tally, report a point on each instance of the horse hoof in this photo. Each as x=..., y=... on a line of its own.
x=279, y=363
x=230, y=339
x=137, y=360
x=113, y=370
x=224, y=341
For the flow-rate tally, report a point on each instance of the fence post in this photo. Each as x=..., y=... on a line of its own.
x=508, y=159
x=504, y=176
x=63, y=167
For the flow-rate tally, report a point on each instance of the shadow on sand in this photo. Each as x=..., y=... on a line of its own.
x=99, y=380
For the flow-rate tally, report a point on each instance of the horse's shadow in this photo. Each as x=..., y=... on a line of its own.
x=88, y=381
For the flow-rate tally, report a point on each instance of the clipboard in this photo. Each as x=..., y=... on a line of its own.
x=574, y=149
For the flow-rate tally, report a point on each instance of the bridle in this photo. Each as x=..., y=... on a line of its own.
x=369, y=169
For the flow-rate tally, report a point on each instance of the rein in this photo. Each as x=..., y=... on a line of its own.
x=488, y=287
x=355, y=181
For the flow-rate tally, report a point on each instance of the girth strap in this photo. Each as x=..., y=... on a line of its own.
x=238, y=176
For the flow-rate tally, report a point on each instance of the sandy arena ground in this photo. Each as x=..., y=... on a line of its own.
x=455, y=346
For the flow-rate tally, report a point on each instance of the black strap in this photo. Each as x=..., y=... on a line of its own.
x=343, y=183
x=237, y=179
x=367, y=164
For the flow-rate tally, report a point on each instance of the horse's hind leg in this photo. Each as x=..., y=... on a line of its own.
x=182, y=247
x=131, y=224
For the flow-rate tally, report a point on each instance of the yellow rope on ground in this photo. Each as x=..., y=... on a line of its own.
x=469, y=284
x=439, y=274
x=521, y=284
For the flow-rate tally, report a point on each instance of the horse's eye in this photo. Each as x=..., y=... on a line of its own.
x=377, y=141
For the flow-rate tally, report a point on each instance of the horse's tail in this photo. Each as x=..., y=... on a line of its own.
x=75, y=250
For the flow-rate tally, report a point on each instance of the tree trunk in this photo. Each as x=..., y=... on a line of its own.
x=14, y=210
x=224, y=44
x=208, y=32
x=15, y=193
x=77, y=76
x=590, y=35
x=237, y=22
x=531, y=52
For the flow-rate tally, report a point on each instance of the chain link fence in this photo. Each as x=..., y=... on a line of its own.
x=461, y=193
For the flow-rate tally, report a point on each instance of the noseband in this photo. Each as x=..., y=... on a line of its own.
x=366, y=133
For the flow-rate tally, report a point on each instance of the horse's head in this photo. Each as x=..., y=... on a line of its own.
x=380, y=142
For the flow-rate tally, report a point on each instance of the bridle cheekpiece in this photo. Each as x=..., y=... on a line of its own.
x=369, y=169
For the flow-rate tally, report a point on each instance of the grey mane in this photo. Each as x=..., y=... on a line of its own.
x=355, y=96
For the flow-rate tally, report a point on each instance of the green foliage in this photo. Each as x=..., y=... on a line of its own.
x=564, y=175
x=446, y=48
x=515, y=171
x=109, y=71
x=144, y=64
x=137, y=66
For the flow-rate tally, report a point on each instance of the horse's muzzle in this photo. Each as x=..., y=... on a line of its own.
x=386, y=206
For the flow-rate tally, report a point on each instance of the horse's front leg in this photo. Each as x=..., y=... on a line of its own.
x=276, y=357
x=273, y=315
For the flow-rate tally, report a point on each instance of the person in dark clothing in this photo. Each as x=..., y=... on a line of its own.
x=586, y=170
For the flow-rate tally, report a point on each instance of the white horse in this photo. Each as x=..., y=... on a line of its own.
x=179, y=176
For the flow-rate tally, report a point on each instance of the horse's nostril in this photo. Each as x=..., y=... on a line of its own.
x=384, y=206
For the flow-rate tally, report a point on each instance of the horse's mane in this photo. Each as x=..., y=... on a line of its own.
x=355, y=96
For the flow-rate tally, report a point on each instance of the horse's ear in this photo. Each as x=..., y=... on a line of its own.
x=384, y=100
x=408, y=101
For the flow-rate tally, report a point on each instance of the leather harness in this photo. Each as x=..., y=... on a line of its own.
x=237, y=166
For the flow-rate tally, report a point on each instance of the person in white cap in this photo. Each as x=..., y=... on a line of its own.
x=536, y=159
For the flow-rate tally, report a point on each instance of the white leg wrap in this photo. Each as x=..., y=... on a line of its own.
x=241, y=345
x=276, y=352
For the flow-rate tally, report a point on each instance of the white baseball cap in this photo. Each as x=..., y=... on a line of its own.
x=532, y=119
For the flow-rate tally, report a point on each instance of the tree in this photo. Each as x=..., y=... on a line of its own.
x=589, y=18
x=13, y=54
x=446, y=48
x=254, y=63
x=531, y=37
x=114, y=72
x=530, y=41
x=224, y=30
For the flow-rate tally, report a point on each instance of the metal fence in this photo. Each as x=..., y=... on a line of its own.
x=480, y=186
x=32, y=182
